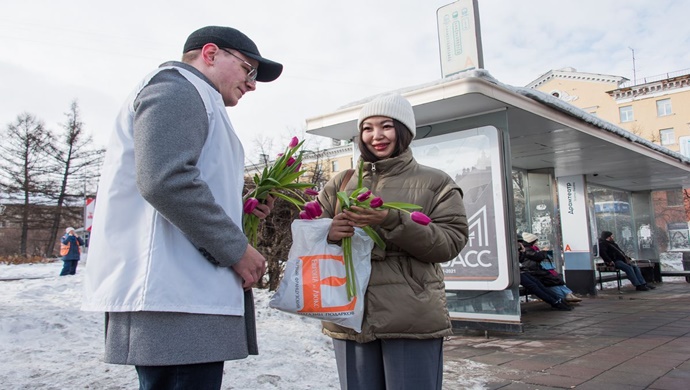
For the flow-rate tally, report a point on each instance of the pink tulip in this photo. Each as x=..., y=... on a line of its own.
x=364, y=196
x=298, y=167
x=420, y=218
x=304, y=215
x=376, y=202
x=293, y=142
x=311, y=192
x=313, y=209
x=290, y=161
x=250, y=204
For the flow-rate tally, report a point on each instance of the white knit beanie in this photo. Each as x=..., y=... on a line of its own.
x=529, y=237
x=391, y=106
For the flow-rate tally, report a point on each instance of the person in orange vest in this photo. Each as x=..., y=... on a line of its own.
x=70, y=251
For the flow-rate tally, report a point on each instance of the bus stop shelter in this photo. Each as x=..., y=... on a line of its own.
x=518, y=151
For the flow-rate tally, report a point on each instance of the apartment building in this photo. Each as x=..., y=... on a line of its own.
x=654, y=108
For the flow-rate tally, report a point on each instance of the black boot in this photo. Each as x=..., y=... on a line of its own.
x=560, y=305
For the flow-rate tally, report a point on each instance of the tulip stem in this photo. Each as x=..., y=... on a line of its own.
x=350, y=283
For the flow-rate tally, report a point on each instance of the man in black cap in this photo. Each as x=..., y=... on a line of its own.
x=169, y=263
x=613, y=255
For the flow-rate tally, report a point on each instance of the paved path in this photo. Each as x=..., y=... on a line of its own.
x=627, y=341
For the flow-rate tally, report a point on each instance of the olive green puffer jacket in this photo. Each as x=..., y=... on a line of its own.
x=405, y=297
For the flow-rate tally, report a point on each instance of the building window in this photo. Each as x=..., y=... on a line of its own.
x=663, y=107
x=667, y=136
x=674, y=198
x=334, y=166
x=626, y=114
x=684, y=143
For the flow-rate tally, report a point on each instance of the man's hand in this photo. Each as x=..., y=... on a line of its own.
x=263, y=209
x=251, y=267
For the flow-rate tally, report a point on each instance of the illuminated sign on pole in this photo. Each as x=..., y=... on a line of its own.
x=459, y=37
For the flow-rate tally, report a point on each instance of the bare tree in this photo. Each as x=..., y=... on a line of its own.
x=317, y=169
x=24, y=169
x=75, y=164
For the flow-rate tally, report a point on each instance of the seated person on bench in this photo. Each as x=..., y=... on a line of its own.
x=613, y=255
x=534, y=260
x=534, y=286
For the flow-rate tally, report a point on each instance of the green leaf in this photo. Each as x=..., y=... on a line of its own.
x=290, y=177
x=296, y=202
x=358, y=191
x=374, y=236
x=297, y=185
x=400, y=206
x=344, y=200
x=270, y=180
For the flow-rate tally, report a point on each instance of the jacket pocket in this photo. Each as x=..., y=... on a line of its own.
x=418, y=274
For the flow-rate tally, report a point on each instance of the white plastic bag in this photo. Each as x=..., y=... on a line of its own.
x=313, y=283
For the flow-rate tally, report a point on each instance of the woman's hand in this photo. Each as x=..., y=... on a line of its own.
x=365, y=216
x=341, y=227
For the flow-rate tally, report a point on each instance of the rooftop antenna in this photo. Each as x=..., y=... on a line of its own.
x=634, y=70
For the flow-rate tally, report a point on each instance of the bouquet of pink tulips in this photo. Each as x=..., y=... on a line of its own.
x=279, y=180
x=362, y=197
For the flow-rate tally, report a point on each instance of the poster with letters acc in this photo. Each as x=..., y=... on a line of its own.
x=473, y=158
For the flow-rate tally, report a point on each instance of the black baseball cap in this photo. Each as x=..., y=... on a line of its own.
x=230, y=38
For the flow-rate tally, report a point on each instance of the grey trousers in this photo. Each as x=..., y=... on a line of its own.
x=400, y=364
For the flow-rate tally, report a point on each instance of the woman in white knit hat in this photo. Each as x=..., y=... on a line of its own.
x=405, y=315
x=535, y=263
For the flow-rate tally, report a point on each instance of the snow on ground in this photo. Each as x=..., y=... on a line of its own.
x=47, y=342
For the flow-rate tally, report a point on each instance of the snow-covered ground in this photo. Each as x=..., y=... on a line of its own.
x=46, y=342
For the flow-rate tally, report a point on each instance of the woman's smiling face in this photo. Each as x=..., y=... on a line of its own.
x=378, y=134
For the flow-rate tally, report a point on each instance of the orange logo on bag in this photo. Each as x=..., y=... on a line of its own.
x=312, y=283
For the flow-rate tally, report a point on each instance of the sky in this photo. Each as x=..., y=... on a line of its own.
x=47, y=342
x=333, y=52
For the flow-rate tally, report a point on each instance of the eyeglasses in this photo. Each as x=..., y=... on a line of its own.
x=251, y=73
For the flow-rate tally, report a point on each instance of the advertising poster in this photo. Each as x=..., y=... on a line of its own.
x=472, y=158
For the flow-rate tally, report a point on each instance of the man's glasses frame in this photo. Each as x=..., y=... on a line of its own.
x=251, y=73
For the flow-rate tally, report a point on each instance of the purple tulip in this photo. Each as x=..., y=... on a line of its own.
x=311, y=192
x=297, y=167
x=364, y=196
x=250, y=204
x=420, y=218
x=290, y=161
x=304, y=215
x=293, y=142
x=313, y=209
x=376, y=202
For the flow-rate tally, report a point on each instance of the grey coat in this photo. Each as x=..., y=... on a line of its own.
x=171, y=338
